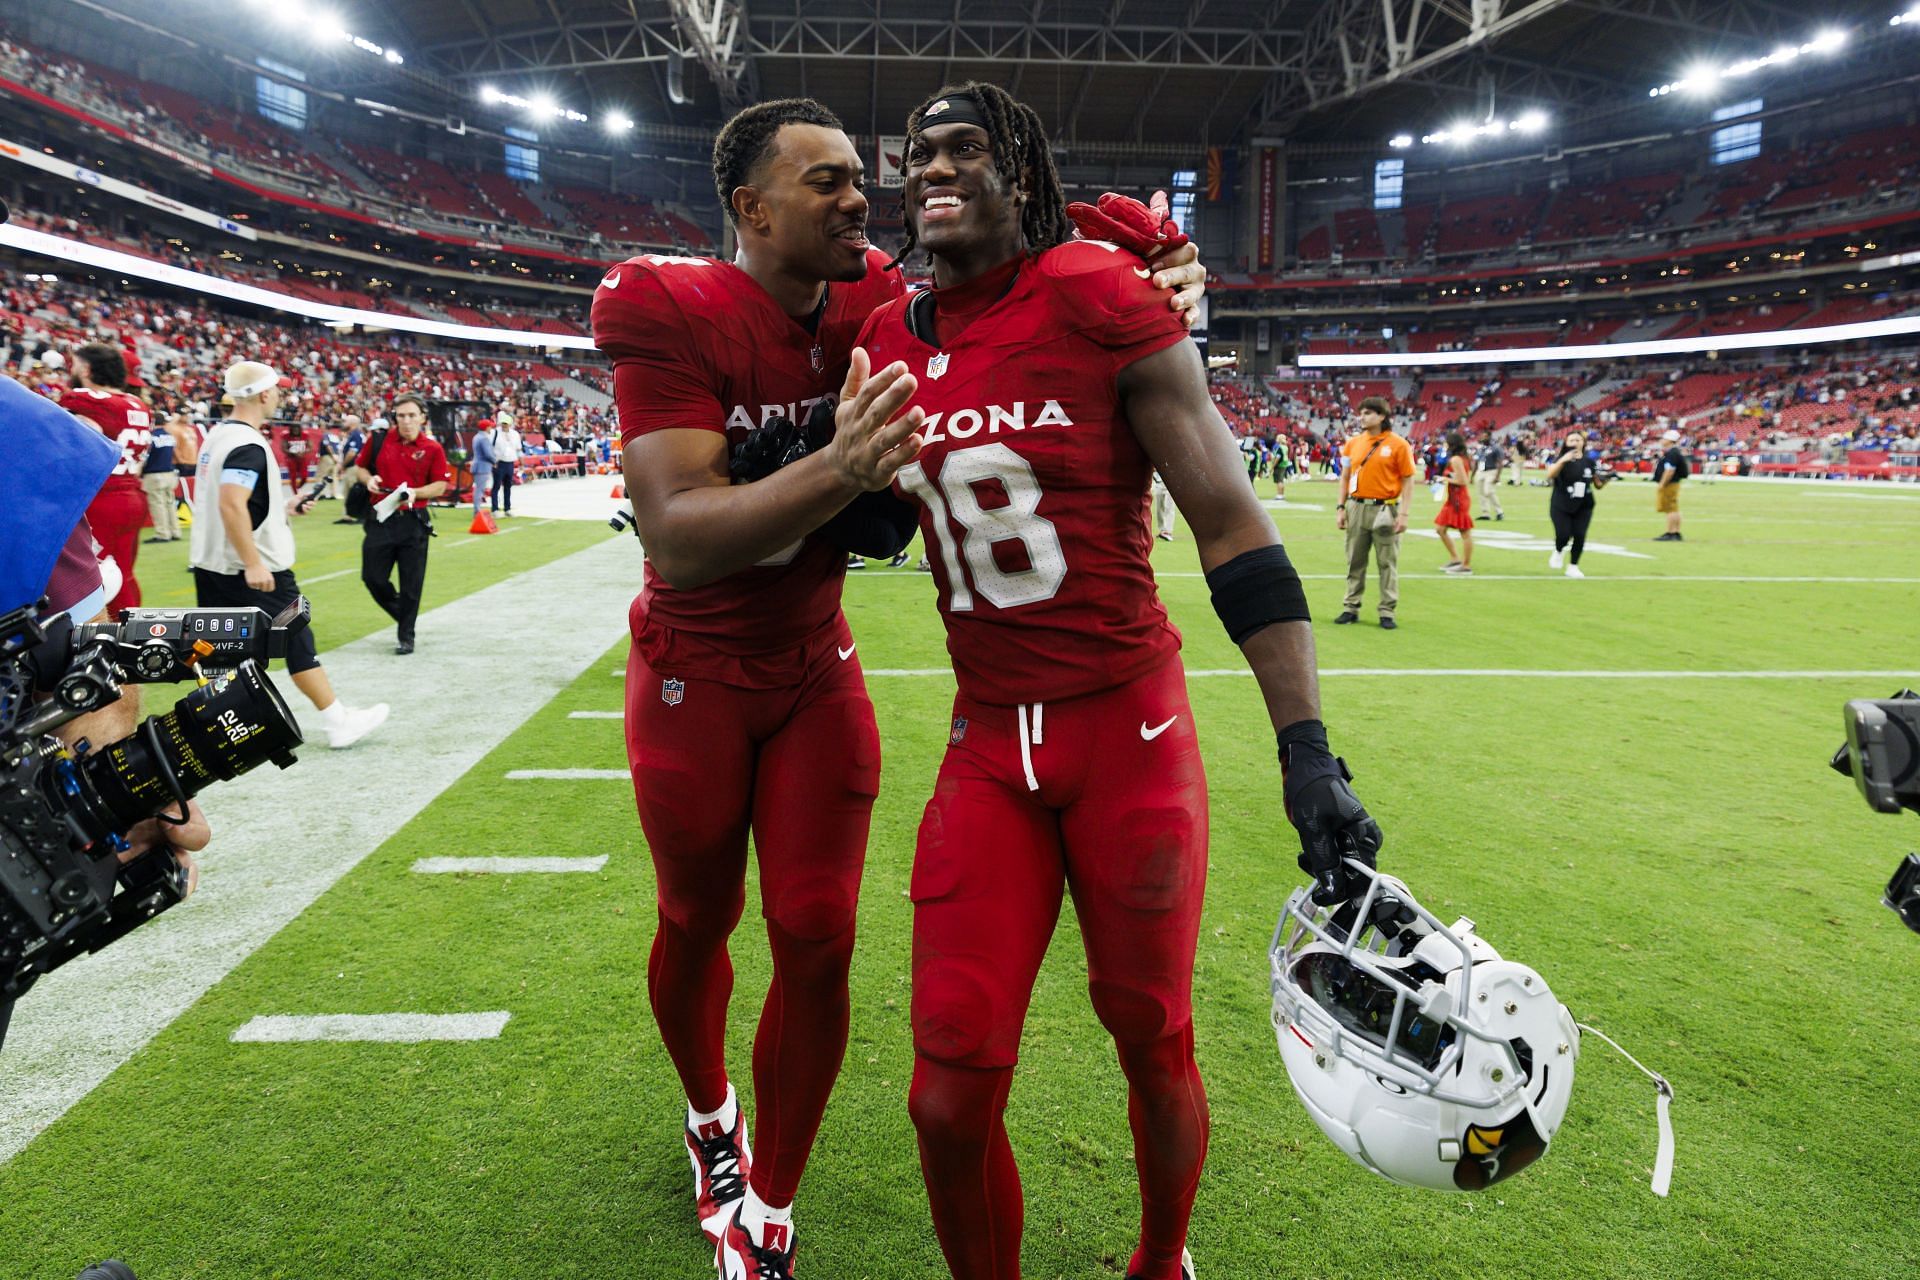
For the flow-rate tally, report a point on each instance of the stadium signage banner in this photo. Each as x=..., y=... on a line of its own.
x=891, y=149
x=1268, y=162
x=37, y=159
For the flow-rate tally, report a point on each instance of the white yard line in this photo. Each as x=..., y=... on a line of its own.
x=597, y=715
x=568, y=775
x=507, y=866
x=1498, y=672
x=391, y=1028
x=262, y=870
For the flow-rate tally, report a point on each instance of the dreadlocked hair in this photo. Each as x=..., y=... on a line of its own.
x=745, y=140
x=1019, y=145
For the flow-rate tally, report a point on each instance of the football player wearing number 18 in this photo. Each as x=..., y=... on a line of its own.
x=1053, y=381
x=746, y=709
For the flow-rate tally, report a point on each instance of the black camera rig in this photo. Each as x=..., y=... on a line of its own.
x=1882, y=755
x=65, y=812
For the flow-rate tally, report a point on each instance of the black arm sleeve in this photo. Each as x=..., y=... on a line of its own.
x=874, y=524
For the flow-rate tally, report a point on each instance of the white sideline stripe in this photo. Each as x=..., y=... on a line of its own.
x=1543, y=576
x=506, y=866
x=1617, y=350
x=392, y=1028
x=568, y=775
x=1546, y=576
x=597, y=715
x=1499, y=672
x=80, y=1024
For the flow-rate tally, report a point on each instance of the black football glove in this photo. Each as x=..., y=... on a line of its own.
x=779, y=442
x=1332, y=823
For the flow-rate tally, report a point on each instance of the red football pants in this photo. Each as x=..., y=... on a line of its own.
x=1107, y=801
x=800, y=768
x=117, y=515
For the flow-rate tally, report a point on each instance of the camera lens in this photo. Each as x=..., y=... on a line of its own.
x=220, y=730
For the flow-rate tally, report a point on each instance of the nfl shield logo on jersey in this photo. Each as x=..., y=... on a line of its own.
x=673, y=692
x=936, y=365
x=959, y=730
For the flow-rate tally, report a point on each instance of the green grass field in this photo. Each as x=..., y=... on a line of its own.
x=1672, y=854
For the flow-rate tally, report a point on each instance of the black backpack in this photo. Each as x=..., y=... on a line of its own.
x=359, y=503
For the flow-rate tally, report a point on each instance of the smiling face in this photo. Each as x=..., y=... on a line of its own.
x=959, y=205
x=808, y=202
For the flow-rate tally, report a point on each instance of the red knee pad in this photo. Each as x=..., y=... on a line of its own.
x=955, y=1016
x=1137, y=1015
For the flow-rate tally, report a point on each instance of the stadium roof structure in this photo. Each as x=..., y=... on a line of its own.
x=1115, y=79
x=1107, y=73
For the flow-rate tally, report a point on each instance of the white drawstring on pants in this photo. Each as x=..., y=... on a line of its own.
x=1029, y=739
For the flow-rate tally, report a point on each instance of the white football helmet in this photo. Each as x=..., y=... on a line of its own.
x=1415, y=1047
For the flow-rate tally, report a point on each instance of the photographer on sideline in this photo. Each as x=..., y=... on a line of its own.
x=242, y=548
x=47, y=550
x=410, y=459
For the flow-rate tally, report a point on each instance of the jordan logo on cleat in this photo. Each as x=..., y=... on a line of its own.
x=710, y=1130
x=774, y=1237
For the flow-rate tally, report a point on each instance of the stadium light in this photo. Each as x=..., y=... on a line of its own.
x=617, y=122
x=541, y=106
x=1910, y=17
x=1400, y=141
x=1703, y=79
x=1531, y=122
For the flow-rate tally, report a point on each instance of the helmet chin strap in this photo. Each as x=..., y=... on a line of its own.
x=1663, y=1160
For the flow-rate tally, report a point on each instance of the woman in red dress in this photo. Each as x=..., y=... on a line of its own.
x=1457, y=511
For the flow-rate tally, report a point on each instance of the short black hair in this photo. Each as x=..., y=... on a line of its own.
x=105, y=364
x=1019, y=143
x=745, y=140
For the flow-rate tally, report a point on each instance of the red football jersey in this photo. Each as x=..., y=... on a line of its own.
x=697, y=343
x=1033, y=489
x=123, y=419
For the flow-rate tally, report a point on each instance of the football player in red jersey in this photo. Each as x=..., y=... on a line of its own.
x=746, y=708
x=119, y=511
x=1052, y=381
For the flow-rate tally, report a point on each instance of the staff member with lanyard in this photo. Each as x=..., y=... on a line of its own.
x=1373, y=509
x=403, y=457
x=1574, y=477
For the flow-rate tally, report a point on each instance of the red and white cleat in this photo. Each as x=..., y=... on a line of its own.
x=721, y=1159
x=740, y=1257
x=1186, y=1266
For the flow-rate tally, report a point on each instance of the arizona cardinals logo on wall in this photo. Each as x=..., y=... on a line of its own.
x=937, y=365
x=673, y=692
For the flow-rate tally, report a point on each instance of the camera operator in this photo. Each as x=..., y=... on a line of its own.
x=51, y=466
x=242, y=548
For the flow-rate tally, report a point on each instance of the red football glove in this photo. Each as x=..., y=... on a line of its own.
x=1145, y=231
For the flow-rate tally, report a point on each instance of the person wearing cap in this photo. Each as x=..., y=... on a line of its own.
x=1375, y=488
x=409, y=459
x=481, y=462
x=506, y=454
x=242, y=545
x=1672, y=468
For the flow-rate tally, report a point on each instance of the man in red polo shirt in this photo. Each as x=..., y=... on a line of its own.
x=399, y=525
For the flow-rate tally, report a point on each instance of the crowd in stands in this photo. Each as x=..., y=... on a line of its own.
x=180, y=349
x=1835, y=175
x=361, y=178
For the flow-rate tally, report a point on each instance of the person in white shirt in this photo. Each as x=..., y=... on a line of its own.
x=242, y=549
x=506, y=453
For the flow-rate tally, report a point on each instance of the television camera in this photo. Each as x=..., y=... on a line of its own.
x=1882, y=755
x=65, y=811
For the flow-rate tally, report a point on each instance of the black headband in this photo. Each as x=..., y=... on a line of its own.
x=955, y=108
